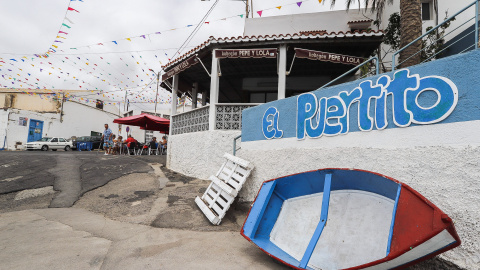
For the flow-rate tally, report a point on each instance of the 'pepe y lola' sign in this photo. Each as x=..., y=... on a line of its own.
x=329, y=116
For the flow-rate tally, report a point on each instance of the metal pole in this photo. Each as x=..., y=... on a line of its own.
x=156, y=95
x=125, y=104
x=61, y=112
x=282, y=72
x=235, y=144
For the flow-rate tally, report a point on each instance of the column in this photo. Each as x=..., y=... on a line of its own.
x=214, y=86
x=282, y=71
x=204, y=98
x=174, y=95
x=194, y=95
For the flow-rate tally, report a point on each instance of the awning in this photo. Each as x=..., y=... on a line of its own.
x=146, y=121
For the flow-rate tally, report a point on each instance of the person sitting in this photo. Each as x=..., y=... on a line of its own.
x=111, y=145
x=129, y=140
x=131, y=143
x=116, y=144
x=163, y=143
x=153, y=145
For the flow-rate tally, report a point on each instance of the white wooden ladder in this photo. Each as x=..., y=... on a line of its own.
x=224, y=188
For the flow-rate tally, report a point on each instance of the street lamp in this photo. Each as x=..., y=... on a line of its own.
x=156, y=95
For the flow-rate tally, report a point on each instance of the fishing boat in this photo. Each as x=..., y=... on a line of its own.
x=346, y=219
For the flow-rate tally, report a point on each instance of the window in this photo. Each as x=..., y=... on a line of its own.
x=61, y=140
x=99, y=104
x=262, y=97
x=148, y=135
x=426, y=11
x=54, y=140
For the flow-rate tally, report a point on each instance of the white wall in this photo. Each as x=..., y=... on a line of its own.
x=3, y=127
x=78, y=120
x=199, y=154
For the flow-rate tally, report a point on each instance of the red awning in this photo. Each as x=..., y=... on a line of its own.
x=146, y=121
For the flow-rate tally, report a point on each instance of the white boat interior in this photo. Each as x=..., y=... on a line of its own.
x=357, y=229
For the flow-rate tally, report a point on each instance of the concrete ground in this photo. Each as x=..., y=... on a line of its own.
x=83, y=210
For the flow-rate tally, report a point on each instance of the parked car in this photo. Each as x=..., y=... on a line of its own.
x=47, y=143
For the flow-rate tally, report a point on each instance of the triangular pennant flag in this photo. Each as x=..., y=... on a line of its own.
x=279, y=7
x=143, y=36
x=241, y=15
x=319, y=1
x=260, y=13
x=66, y=25
x=128, y=39
x=62, y=32
x=70, y=21
x=72, y=9
x=114, y=42
x=299, y=4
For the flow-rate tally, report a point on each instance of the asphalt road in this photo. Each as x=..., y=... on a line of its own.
x=70, y=173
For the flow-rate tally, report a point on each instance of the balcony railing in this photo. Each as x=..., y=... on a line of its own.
x=228, y=116
x=192, y=121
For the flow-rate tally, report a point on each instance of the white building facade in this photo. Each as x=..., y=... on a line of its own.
x=29, y=116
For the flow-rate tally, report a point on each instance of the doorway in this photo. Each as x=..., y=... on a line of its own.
x=35, y=130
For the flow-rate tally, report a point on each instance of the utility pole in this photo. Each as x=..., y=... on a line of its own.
x=61, y=111
x=125, y=104
x=156, y=95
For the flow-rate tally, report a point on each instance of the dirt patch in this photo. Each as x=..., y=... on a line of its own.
x=176, y=177
x=128, y=198
x=435, y=263
x=9, y=204
x=183, y=213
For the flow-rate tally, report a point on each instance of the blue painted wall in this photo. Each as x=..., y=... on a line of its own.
x=463, y=70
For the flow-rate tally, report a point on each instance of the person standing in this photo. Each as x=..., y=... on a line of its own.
x=107, y=139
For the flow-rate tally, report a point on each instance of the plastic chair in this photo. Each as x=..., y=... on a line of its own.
x=132, y=149
x=141, y=149
x=153, y=150
x=163, y=150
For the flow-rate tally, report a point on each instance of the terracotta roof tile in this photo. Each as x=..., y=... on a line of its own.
x=361, y=21
x=316, y=34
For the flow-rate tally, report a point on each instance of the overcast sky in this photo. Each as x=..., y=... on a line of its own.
x=30, y=27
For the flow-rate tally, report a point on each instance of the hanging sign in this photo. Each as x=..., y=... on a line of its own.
x=246, y=53
x=328, y=57
x=180, y=67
